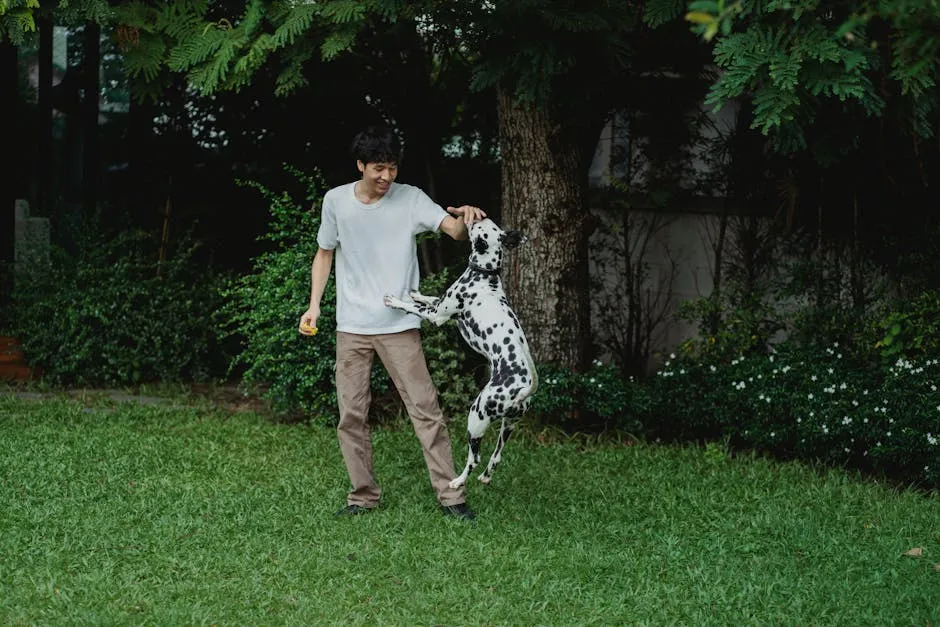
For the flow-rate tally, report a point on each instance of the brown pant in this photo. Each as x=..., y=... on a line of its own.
x=403, y=358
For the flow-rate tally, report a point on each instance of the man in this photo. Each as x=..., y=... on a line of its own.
x=370, y=225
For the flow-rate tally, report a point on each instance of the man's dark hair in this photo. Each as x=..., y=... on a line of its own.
x=376, y=144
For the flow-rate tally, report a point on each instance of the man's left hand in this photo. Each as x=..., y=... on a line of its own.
x=469, y=213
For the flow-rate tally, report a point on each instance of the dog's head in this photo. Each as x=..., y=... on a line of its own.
x=487, y=242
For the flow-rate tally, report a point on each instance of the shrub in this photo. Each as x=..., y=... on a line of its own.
x=110, y=313
x=811, y=403
x=263, y=308
x=726, y=331
x=600, y=398
x=912, y=329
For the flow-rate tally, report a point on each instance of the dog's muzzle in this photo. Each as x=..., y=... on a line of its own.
x=511, y=239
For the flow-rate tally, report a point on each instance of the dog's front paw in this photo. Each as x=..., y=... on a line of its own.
x=390, y=301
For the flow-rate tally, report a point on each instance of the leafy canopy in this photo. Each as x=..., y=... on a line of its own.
x=791, y=57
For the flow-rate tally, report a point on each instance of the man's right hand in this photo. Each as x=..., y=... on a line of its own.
x=308, y=321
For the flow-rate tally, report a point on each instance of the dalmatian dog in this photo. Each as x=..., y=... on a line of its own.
x=487, y=323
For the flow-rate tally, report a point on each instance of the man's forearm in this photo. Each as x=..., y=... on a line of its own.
x=319, y=275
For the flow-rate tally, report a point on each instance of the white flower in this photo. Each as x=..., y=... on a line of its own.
x=809, y=396
x=812, y=378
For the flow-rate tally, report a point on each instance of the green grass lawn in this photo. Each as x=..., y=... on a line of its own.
x=160, y=515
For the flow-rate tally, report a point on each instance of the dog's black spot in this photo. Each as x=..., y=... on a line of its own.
x=480, y=246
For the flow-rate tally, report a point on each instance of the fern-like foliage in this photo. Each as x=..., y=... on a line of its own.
x=789, y=56
x=658, y=12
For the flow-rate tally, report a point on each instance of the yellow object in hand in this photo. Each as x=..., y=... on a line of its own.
x=306, y=328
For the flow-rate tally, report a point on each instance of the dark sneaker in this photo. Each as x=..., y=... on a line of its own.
x=353, y=510
x=460, y=511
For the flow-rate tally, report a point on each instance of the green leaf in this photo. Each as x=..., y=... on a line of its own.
x=697, y=17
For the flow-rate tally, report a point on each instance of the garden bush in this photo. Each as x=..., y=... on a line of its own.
x=107, y=312
x=912, y=329
x=809, y=403
x=263, y=307
x=598, y=399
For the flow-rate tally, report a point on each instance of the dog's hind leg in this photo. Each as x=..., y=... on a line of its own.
x=510, y=418
x=505, y=430
x=477, y=422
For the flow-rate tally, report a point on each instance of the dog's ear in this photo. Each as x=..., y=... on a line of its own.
x=511, y=239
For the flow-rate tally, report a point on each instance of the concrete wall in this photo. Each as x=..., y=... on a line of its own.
x=678, y=260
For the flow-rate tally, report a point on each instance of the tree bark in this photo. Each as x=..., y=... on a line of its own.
x=542, y=195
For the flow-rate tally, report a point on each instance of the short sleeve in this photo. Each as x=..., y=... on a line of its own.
x=426, y=215
x=328, y=236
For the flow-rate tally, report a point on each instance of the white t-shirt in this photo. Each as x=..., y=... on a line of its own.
x=376, y=253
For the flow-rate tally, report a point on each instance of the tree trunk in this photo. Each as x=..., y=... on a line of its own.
x=542, y=196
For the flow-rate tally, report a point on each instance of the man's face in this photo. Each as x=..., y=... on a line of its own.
x=378, y=176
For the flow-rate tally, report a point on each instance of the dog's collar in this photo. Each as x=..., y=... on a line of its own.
x=483, y=270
